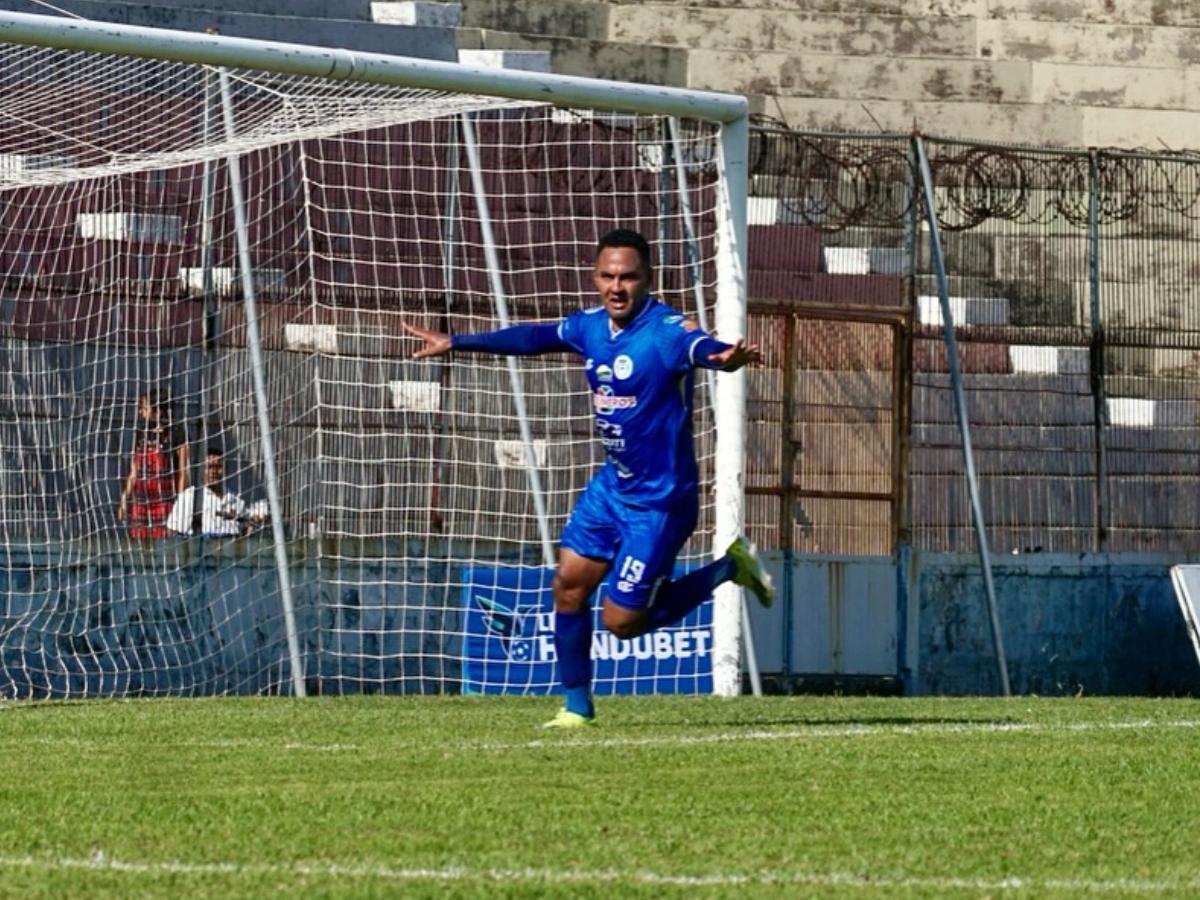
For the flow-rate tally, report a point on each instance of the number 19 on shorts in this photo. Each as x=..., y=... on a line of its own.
x=630, y=573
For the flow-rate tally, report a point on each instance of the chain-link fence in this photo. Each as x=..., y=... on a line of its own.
x=1069, y=276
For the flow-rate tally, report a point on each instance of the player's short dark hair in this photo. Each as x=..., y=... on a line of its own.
x=214, y=451
x=625, y=237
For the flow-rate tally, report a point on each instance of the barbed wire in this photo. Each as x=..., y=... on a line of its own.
x=834, y=182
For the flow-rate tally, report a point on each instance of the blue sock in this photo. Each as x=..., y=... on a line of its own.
x=678, y=598
x=573, y=644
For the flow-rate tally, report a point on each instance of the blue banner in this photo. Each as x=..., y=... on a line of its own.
x=509, y=642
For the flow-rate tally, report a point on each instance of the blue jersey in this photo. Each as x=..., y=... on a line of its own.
x=641, y=379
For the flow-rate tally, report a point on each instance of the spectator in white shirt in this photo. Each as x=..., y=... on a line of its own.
x=222, y=513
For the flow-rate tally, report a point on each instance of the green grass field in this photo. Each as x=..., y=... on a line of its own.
x=788, y=797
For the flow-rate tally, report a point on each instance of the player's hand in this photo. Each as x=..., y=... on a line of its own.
x=740, y=354
x=436, y=343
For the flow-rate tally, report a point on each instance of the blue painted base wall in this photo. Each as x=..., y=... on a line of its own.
x=1072, y=624
x=196, y=617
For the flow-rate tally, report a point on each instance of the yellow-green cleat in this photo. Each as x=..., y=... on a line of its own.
x=567, y=719
x=749, y=572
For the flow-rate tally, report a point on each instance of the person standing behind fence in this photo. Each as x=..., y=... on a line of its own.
x=158, y=471
x=213, y=511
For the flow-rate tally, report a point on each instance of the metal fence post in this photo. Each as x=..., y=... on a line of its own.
x=1096, y=353
x=902, y=387
x=960, y=407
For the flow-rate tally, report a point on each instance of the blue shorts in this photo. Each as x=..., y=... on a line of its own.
x=640, y=543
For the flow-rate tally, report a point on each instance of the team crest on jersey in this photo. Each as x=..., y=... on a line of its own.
x=623, y=366
x=604, y=373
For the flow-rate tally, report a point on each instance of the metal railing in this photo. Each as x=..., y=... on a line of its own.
x=1069, y=276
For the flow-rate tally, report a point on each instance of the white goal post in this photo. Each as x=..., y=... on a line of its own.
x=207, y=246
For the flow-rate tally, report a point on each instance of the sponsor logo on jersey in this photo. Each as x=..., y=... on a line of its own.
x=623, y=366
x=610, y=436
x=604, y=373
x=606, y=402
x=587, y=366
x=682, y=321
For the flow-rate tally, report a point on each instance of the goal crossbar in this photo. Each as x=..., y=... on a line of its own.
x=340, y=64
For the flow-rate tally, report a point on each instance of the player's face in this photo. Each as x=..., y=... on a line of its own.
x=622, y=281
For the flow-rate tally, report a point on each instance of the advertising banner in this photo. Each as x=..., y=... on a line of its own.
x=509, y=642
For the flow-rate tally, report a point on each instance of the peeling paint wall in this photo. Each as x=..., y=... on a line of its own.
x=1088, y=624
x=1072, y=624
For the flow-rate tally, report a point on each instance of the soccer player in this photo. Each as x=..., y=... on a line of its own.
x=642, y=505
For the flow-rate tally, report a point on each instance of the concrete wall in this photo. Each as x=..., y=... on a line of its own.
x=1072, y=624
x=204, y=617
x=1067, y=72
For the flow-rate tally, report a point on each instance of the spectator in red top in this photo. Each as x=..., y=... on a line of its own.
x=158, y=471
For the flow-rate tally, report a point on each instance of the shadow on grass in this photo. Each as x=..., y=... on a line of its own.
x=9, y=706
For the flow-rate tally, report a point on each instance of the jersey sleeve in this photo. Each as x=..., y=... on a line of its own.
x=516, y=340
x=701, y=350
x=570, y=332
x=685, y=345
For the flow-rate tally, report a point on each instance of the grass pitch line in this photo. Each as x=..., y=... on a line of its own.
x=798, y=734
x=214, y=744
x=266, y=745
x=102, y=863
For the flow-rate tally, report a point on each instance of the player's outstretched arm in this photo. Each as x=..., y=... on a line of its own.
x=436, y=342
x=735, y=356
x=515, y=340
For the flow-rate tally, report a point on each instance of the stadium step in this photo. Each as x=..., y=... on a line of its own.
x=588, y=58
x=347, y=10
x=886, y=291
x=524, y=60
x=311, y=22
x=417, y=12
x=789, y=248
x=850, y=76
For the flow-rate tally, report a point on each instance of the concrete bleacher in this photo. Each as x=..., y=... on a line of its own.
x=1031, y=404
x=1024, y=70
x=971, y=58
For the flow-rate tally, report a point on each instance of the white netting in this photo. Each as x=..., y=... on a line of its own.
x=414, y=545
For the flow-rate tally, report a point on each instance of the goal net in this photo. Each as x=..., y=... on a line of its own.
x=220, y=469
